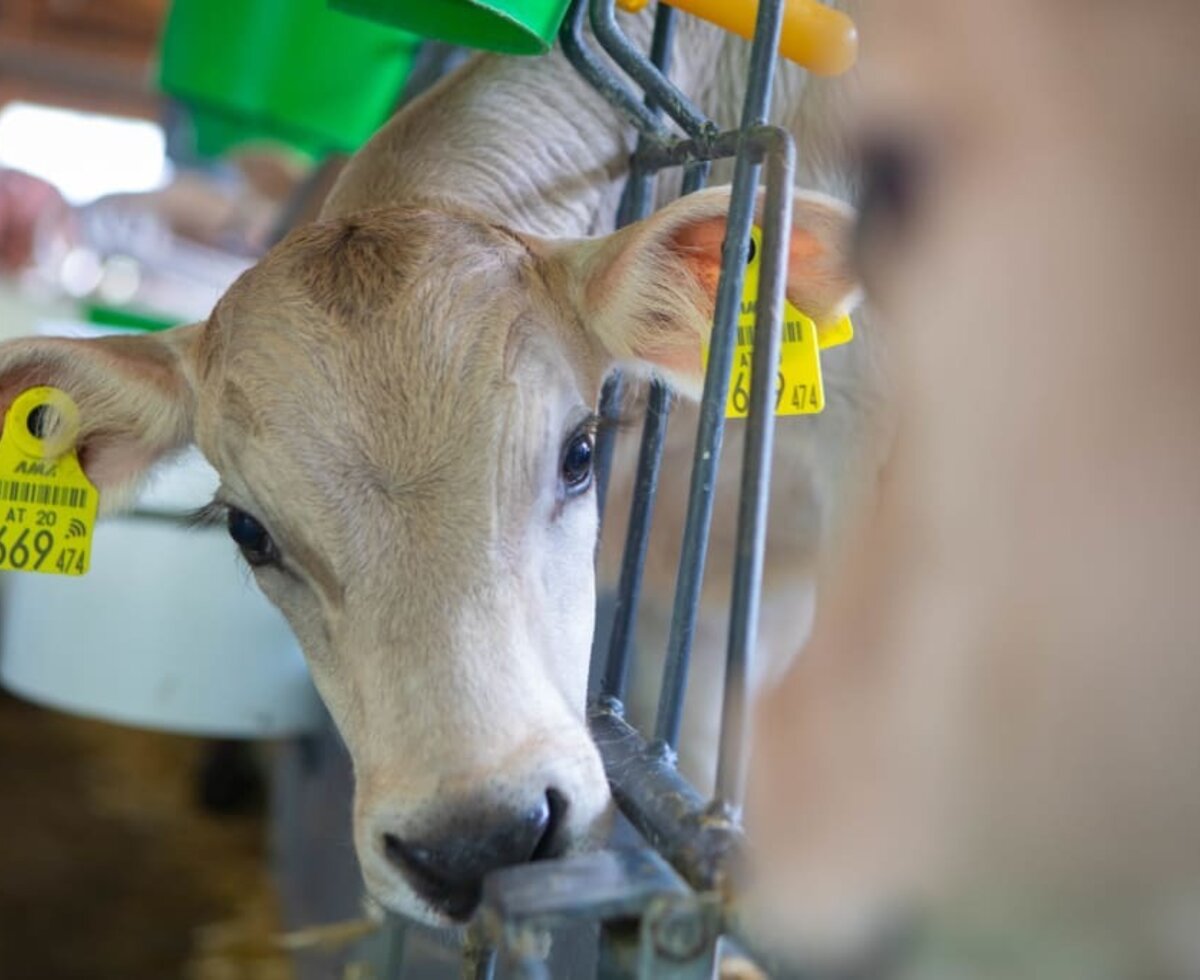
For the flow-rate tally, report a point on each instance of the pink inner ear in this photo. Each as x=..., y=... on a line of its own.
x=805, y=253
x=699, y=247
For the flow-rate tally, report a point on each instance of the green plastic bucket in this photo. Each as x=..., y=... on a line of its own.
x=291, y=70
x=511, y=26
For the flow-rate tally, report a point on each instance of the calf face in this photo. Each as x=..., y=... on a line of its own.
x=400, y=406
x=993, y=729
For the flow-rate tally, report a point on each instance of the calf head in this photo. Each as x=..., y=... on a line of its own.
x=400, y=406
x=992, y=735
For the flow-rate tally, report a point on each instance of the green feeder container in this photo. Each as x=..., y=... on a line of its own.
x=510, y=26
x=217, y=132
x=290, y=70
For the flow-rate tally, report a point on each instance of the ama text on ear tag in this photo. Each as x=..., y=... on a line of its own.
x=47, y=504
x=798, y=386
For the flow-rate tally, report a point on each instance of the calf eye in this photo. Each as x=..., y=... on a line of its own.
x=893, y=179
x=577, y=463
x=249, y=535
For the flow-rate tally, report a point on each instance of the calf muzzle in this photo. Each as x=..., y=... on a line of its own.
x=446, y=867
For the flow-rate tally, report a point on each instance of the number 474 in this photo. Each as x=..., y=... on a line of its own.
x=805, y=396
x=70, y=560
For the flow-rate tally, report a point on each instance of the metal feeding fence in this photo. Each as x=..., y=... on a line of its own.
x=661, y=909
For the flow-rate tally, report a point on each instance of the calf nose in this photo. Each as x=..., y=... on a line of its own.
x=447, y=868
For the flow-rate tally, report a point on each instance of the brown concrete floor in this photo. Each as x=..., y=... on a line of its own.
x=109, y=870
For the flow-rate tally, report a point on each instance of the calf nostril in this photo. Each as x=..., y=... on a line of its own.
x=434, y=877
x=412, y=859
x=448, y=870
x=550, y=843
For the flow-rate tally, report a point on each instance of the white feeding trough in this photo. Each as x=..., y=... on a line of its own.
x=165, y=631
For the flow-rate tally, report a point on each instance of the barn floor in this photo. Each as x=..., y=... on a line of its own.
x=108, y=869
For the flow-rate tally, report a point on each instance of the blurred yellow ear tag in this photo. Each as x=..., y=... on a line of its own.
x=841, y=331
x=47, y=504
x=798, y=386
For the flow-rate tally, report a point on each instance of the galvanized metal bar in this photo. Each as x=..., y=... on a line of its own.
x=674, y=153
x=764, y=56
x=679, y=936
x=716, y=383
x=756, y=465
x=636, y=203
x=653, y=82
x=662, y=43
x=620, y=946
x=479, y=955
x=524, y=901
x=485, y=969
x=611, y=395
x=602, y=79
x=699, y=839
x=523, y=907
x=637, y=200
x=695, y=175
x=637, y=539
x=395, y=942
x=706, y=457
x=527, y=966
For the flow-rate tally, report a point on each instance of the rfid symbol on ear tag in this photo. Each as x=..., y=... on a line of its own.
x=47, y=504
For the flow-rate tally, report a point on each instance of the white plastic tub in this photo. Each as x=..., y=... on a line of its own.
x=167, y=630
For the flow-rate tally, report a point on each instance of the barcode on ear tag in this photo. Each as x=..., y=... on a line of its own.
x=47, y=504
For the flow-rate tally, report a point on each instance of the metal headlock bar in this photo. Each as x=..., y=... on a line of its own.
x=661, y=908
x=754, y=144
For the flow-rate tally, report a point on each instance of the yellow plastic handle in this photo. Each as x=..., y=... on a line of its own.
x=821, y=39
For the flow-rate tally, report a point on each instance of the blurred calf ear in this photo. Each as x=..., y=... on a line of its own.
x=647, y=292
x=135, y=397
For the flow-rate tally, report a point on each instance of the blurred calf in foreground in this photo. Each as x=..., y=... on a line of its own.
x=994, y=739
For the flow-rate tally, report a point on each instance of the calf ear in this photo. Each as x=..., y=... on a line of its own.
x=134, y=394
x=647, y=292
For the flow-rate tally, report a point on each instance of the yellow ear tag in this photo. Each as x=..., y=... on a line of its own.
x=47, y=504
x=798, y=386
x=840, y=331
